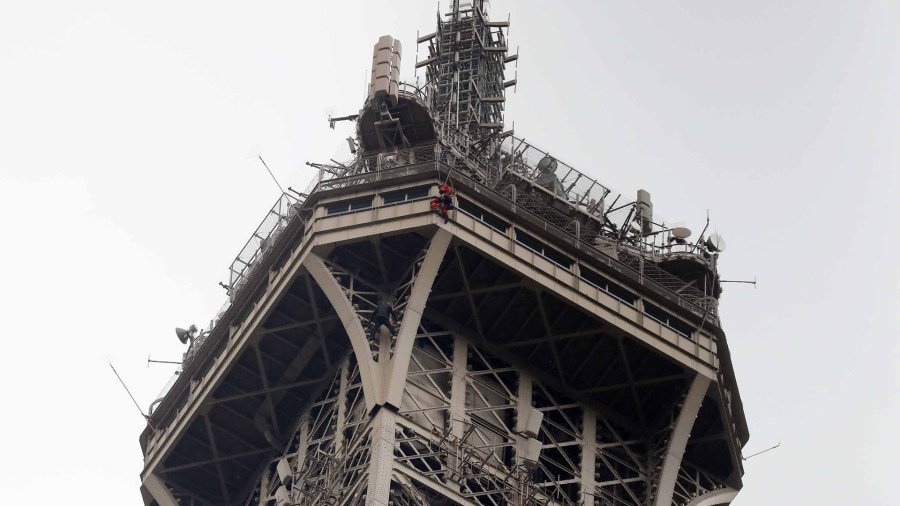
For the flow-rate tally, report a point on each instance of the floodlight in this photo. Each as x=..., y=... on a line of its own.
x=186, y=336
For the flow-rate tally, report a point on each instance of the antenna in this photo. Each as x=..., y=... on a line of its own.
x=270, y=173
x=128, y=391
x=761, y=452
x=739, y=281
x=700, y=239
x=151, y=361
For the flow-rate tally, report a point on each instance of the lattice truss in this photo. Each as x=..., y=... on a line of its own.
x=364, y=287
x=467, y=58
x=459, y=432
x=474, y=446
x=330, y=453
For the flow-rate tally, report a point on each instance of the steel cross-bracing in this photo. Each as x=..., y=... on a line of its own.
x=487, y=333
x=551, y=343
x=488, y=336
x=461, y=446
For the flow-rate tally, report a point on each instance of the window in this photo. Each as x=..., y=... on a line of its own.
x=346, y=206
x=676, y=324
x=546, y=251
x=480, y=214
x=406, y=195
x=607, y=286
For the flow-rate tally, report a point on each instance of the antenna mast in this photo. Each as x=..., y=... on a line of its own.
x=465, y=70
x=141, y=411
x=270, y=173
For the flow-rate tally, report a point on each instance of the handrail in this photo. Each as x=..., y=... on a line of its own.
x=449, y=161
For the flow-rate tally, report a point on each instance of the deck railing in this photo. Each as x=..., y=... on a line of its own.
x=579, y=192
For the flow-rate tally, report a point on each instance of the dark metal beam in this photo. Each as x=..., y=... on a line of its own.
x=199, y=463
x=215, y=452
x=278, y=388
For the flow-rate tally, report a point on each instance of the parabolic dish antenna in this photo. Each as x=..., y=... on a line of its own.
x=635, y=226
x=715, y=243
x=681, y=232
x=547, y=165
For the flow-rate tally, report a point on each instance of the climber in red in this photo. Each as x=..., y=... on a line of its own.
x=443, y=203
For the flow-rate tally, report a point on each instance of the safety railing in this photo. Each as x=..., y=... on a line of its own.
x=575, y=190
x=253, y=252
x=262, y=239
x=522, y=163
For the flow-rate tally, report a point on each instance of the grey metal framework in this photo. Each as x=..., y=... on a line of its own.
x=467, y=56
x=554, y=344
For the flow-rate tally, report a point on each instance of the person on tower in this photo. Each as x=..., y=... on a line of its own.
x=445, y=201
x=382, y=315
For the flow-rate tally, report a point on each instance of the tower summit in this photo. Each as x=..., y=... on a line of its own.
x=455, y=317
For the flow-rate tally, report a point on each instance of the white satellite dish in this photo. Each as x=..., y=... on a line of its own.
x=681, y=232
x=547, y=165
x=715, y=243
x=635, y=226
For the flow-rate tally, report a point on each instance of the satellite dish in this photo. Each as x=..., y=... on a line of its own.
x=681, y=232
x=635, y=226
x=547, y=165
x=715, y=243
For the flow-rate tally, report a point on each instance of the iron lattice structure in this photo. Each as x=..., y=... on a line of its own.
x=554, y=344
x=465, y=68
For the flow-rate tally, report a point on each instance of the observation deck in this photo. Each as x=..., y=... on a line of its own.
x=533, y=296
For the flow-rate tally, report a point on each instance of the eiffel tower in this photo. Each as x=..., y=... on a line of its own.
x=551, y=345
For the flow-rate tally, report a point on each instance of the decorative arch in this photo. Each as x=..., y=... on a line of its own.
x=352, y=325
x=679, y=438
x=412, y=316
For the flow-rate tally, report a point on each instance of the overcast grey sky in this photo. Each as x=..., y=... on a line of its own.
x=129, y=181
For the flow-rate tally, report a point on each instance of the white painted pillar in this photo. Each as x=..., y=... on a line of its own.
x=412, y=316
x=588, y=456
x=382, y=460
x=352, y=325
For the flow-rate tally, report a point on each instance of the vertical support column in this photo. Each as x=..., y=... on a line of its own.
x=458, y=387
x=679, y=438
x=522, y=406
x=302, y=443
x=588, y=456
x=412, y=316
x=263, y=489
x=382, y=463
x=341, y=410
x=456, y=423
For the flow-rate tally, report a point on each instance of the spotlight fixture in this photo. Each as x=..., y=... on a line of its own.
x=186, y=336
